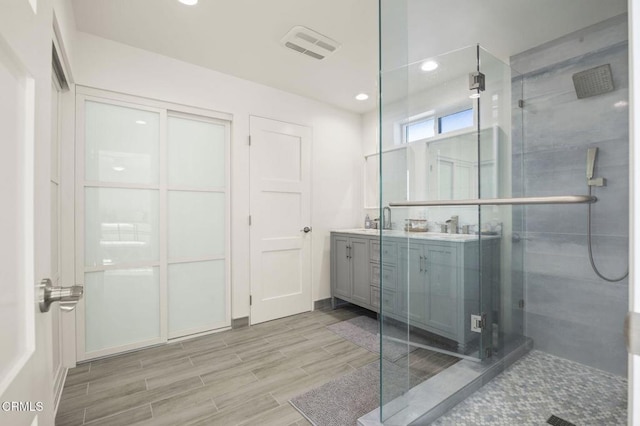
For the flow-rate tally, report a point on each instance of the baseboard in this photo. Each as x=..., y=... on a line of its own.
x=58, y=387
x=322, y=304
x=239, y=322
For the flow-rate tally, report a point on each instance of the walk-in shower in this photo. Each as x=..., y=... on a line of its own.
x=490, y=152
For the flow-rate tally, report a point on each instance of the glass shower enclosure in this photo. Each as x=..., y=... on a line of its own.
x=451, y=286
x=480, y=262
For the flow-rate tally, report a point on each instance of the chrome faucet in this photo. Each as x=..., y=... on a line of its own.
x=453, y=225
x=386, y=221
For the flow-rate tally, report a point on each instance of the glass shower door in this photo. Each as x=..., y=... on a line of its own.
x=431, y=295
x=448, y=289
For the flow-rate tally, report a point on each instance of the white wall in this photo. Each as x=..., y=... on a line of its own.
x=336, y=156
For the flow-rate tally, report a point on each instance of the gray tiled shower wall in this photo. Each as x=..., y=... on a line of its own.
x=569, y=311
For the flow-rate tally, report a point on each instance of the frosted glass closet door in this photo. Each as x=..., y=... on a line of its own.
x=197, y=177
x=121, y=228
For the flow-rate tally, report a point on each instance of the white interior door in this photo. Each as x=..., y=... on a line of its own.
x=25, y=340
x=280, y=211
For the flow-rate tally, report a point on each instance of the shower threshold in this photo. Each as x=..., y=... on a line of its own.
x=432, y=398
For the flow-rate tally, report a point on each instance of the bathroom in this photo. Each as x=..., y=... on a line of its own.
x=489, y=146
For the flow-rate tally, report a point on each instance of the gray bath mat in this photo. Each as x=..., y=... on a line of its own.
x=341, y=402
x=363, y=331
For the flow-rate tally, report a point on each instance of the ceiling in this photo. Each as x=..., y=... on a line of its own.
x=242, y=37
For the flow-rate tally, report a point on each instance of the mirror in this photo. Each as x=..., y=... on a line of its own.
x=395, y=183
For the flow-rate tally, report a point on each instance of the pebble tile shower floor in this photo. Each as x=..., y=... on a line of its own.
x=540, y=385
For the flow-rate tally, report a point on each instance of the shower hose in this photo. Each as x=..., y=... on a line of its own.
x=593, y=265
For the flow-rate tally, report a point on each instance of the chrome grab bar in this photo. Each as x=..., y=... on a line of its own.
x=561, y=199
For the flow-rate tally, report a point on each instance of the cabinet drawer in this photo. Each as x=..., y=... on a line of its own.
x=389, y=275
x=388, y=300
x=389, y=254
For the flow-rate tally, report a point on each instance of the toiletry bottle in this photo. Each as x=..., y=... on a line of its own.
x=367, y=222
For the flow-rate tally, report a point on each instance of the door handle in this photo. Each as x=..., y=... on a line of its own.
x=306, y=229
x=67, y=296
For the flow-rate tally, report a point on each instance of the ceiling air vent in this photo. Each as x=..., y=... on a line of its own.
x=308, y=42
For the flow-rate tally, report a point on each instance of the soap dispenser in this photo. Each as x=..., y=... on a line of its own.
x=367, y=222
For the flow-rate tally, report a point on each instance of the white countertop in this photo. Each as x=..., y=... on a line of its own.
x=417, y=235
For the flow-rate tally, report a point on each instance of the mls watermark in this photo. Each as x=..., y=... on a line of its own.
x=22, y=406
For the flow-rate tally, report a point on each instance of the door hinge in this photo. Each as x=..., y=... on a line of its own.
x=520, y=103
x=249, y=220
x=521, y=304
x=476, y=81
x=478, y=322
x=249, y=140
x=250, y=300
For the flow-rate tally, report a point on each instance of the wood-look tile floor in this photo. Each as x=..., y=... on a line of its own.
x=237, y=377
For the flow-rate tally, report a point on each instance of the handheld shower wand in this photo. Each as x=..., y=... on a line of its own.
x=591, y=161
x=592, y=154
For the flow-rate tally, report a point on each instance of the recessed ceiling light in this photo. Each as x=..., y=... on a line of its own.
x=189, y=2
x=475, y=96
x=118, y=168
x=362, y=96
x=429, y=65
x=141, y=122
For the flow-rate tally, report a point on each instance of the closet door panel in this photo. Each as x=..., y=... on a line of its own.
x=197, y=295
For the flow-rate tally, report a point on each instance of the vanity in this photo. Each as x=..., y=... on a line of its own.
x=431, y=280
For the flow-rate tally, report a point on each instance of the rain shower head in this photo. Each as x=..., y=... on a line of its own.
x=594, y=81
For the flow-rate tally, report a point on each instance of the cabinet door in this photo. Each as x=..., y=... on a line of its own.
x=342, y=267
x=411, y=292
x=360, y=270
x=442, y=289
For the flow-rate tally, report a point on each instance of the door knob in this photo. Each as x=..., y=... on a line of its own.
x=67, y=296
x=306, y=229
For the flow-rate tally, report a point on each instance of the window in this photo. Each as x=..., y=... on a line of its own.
x=456, y=121
x=418, y=130
x=428, y=127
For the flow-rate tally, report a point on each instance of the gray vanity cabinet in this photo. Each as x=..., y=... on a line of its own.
x=350, y=269
x=443, y=307
x=431, y=284
x=412, y=290
x=431, y=280
x=340, y=267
